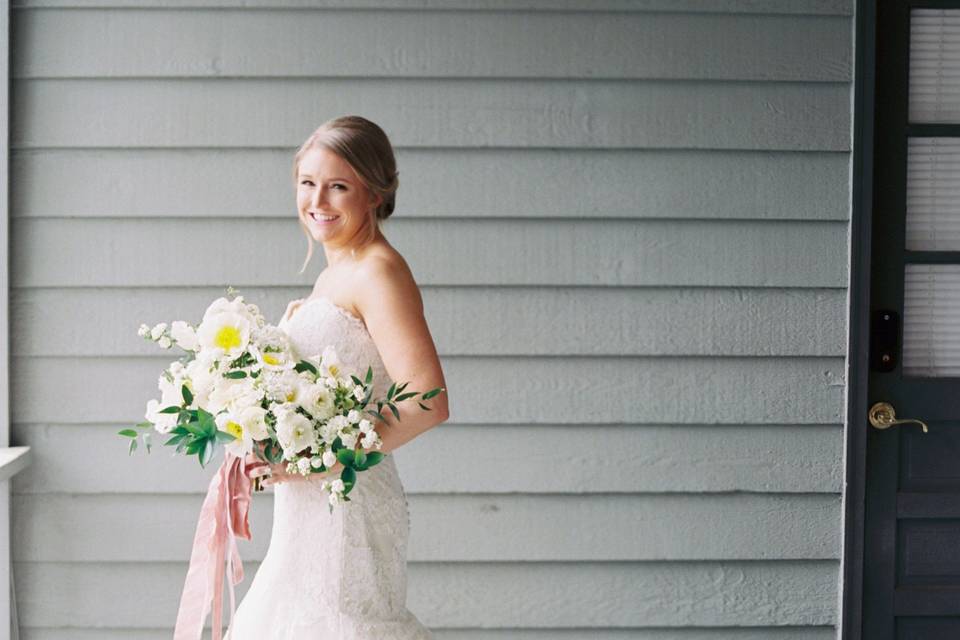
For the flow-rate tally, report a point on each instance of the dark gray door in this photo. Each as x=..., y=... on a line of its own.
x=911, y=533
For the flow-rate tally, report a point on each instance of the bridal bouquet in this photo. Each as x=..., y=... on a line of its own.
x=240, y=384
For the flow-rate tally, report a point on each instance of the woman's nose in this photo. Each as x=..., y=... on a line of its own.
x=319, y=196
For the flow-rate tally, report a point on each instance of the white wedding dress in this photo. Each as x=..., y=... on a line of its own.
x=339, y=576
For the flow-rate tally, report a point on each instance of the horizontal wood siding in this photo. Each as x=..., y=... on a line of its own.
x=629, y=219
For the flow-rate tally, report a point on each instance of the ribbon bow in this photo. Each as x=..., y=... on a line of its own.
x=224, y=516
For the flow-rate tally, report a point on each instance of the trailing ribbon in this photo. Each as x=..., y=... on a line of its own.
x=224, y=516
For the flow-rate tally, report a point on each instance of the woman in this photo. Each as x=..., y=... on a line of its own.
x=342, y=573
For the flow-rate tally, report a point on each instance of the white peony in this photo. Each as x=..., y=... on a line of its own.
x=225, y=333
x=184, y=335
x=233, y=394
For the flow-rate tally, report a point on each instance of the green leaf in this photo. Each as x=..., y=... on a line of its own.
x=133, y=446
x=391, y=390
x=303, y=365
x=235, y=375
x=175, y=439
x=424, y=407
x=144, y=425
x=393, y=409
x=187, y=396
x=373, y=457
x=369, y=377
x=170, y=409
x=206, y=454
x=405, y=396
x=403, y=386
x=349, y=477
x=130, y=433
x=356, y=380
x=224, y=436
x=346, y=457
x=195, y=445
x=181, y=448
x=146, y=441
x=432, y=392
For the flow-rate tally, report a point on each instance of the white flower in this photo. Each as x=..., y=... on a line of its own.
x=303, y=465
x=317, y=400
x=329, y=364
x=358, y=393
x=337, y=486
x=143, y=331
x=158, y=330
x=369, y=440
x=335, y=499
x=316, y=462
x=162, y=422
x=348, y=438
x=365, y=426
x=353, y=416
x=329, y=458
x=254, y=421
x=234, y=394
x=184, y=335
x=225, y=333
x=165, y=342
x=294, y=432
x=233, y=425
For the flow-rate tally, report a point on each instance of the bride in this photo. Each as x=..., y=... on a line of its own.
x=341, y=574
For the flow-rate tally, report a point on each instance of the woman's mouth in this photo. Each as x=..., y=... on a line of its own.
x=322, y=219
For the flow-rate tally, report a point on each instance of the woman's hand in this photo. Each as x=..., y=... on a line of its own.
x=272, y=474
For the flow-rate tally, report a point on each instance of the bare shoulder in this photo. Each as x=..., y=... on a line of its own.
x=384, y=277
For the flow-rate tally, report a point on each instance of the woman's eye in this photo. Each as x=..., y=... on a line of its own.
x=340, y=185
x=304, y=181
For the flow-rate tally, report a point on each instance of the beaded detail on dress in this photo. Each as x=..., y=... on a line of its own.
x=340, y=575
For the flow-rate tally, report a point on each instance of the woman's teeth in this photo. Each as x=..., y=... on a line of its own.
x=320, y=218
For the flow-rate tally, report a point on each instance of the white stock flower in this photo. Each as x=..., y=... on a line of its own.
x=165, y=342
x=365, y=426
x=184, y=335
x=358, y=393
x=369, y=440
x=348, y=438
x=158, y=330
x=353, y=416
x=329, y=458
x=337, y=485
x=303, y=465
x=143, y=331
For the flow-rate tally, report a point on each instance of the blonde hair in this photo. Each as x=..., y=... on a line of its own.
x=367, y=149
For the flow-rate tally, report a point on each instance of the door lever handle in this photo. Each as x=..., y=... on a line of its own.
x=883, y=416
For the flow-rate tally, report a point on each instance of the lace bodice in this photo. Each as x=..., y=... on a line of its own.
x=339, y=575
x=311, y=328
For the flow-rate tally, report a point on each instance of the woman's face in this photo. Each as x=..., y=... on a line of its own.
x=331, y=201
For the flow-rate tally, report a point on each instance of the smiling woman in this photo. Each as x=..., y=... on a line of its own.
x=366, y=304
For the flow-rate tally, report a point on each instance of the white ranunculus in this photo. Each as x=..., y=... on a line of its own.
x=294, y=432
x=184, y=335
x=319, y=401
x=162, y=422
x=254, y=420
x=231, y=423
x=329, y=458
x=225, y=333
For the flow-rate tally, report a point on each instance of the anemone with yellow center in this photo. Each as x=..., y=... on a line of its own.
x=234, y=428
x=226, y=332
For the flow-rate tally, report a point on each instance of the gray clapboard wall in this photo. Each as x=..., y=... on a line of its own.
x=629, y=222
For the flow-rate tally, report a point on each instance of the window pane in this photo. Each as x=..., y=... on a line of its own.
x=933, y=194
x=931, y=320
x=935, y=65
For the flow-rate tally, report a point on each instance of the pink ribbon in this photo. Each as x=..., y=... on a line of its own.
x=224, y=516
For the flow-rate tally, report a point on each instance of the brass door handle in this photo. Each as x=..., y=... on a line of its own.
x=882, y=416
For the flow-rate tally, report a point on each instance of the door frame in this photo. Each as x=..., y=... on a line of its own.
x=858, y=335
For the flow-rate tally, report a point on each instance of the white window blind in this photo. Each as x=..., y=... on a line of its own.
x=934, y=65
x=933, y=194
x=931, y=320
